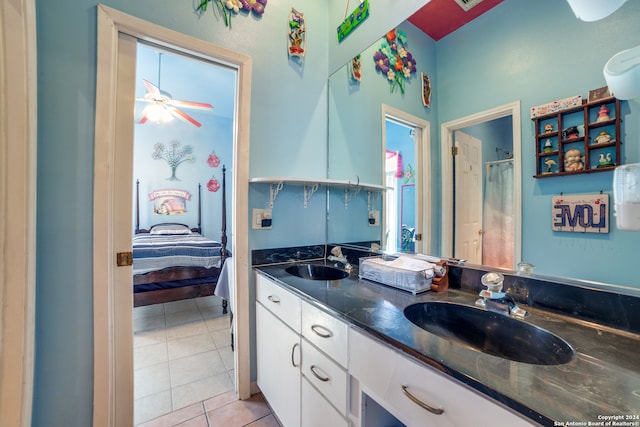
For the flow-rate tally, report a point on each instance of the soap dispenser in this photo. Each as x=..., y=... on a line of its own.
x=626, y=196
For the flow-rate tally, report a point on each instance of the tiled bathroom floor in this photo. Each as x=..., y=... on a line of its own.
x=182, y=357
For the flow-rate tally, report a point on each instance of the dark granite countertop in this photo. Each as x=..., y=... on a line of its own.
x=603, y=379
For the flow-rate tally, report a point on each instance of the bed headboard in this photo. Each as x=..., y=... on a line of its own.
x=198, y=229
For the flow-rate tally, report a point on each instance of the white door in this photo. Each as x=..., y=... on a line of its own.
x=468, y=198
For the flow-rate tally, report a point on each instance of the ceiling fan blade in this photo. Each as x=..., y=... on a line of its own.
x=183, y=116
x=191, y=104
x=145, y=116
x=151, y=88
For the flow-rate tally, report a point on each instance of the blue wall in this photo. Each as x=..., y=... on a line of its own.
x=539, y=52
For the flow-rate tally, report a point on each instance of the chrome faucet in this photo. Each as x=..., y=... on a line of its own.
x=339, y=258
x=493, y=299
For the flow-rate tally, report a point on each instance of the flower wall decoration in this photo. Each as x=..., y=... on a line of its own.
x=228, y=7
x=394, y=60
x=173, y=155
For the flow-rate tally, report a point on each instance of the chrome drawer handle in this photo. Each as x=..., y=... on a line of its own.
x=321, y=331
x=293, y=349
x=420, y=403
x=273, y=299
x=318, y=376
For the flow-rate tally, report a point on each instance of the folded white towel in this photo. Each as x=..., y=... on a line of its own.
x=412, y=264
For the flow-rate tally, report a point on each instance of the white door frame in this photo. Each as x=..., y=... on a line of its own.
x=446, y=159
x=423, y=183
x=113, y=343
x=18, y=151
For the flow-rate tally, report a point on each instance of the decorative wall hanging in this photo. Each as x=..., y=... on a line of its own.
x=588, y=213
x=297, y=33
x=394, y=60
x=173, y=155
x=409, y=174
x=426, y=90
x=226, y=8
x=355, y=68
x=162, y=108
x=169, y=202
x=559, y=105
x=213, y=161
x=352, y=21
x=213, y=184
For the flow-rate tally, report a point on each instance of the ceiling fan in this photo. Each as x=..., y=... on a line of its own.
x=163, y=108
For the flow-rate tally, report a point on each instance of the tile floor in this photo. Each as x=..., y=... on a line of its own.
x=184, y=368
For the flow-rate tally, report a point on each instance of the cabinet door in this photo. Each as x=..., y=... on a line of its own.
x=282, y=303
x=326, y=332
x=316, y=411
x=278, y=365
x=405, y=387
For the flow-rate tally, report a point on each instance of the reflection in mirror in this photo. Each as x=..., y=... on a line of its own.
x=481, y=217
x=356, y=133
x=407, y=203
x=516, y=51
x=483, y=186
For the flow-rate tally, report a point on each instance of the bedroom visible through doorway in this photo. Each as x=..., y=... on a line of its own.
x=183, y=152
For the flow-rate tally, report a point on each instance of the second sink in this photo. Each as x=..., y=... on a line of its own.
x=491, y=333
x=316, y=272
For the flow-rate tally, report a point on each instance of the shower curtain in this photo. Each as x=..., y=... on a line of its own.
x=498, y=210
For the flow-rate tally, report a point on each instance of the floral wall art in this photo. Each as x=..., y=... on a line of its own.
x=394, y=60
x=229, y=8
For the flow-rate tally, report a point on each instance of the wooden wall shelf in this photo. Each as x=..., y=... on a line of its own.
x=555, y=147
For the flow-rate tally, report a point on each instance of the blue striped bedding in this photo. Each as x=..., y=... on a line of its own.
x=154, y=252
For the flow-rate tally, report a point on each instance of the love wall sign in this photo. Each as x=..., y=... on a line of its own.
x=586, y=213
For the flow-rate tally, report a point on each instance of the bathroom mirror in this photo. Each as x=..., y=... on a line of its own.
x=524, y=71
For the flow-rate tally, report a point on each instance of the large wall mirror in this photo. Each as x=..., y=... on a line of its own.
x=498, y=66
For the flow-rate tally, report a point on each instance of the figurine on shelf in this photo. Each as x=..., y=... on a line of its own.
x=549, y=163
x=603, y=114
x=573, y=161
x=603, y=138
x=548, y=148
x=605, y=161
x=571, y=132
x=548, y=128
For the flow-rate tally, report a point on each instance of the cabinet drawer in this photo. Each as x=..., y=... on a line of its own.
x=383, y=373
x=326, y=375
x=317, y=410
x=326, y=332
x=282, y=303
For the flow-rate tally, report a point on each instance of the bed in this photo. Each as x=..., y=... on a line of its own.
x=172, y=261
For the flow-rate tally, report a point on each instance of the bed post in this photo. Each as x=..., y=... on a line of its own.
x=199, y=208
x=224, y=214
x=137, y=206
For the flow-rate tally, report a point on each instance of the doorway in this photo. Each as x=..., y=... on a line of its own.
x=118, y=34
x=468, y=198
x=449, y=131
x=407, y=202
x=183, y=144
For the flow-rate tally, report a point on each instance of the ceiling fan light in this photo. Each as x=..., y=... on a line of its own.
x=594, y=10
x=159, y=114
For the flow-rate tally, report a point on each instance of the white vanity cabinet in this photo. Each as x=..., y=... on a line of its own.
x=416, y=394
x=301, y=358
x=278, y=349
